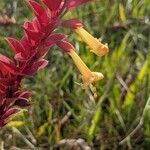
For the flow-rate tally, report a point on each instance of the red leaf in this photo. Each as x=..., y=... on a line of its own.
x=2, y=88
x=41, y=63
x=19, y=57
x=22, y=103
x=53, y=6
x=9, y=102
x=36, y=24
x=7, y=81
x=9, y=113
x=39, y=11
x=16, y=46
x=25, y=95
x=71, y=4
x=26, y=44
x=72, y=23
x=32, y=34
x=65, y=46
x=53, y=38
x=8, y=64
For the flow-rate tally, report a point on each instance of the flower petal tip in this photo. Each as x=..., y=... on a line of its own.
x=96, y=76
x=101, y=50
x=95, y=45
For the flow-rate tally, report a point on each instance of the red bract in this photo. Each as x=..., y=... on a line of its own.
x=72, y=23
x=51, y=5
x=10, y=79
x=70, y=4
x=29, y=53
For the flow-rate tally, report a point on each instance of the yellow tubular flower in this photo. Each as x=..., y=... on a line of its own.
x=87, y=76
x=96, y=46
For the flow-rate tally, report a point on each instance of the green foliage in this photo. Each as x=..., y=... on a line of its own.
x=103, y=122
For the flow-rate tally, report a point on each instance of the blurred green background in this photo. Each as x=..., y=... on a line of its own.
x=120, y=109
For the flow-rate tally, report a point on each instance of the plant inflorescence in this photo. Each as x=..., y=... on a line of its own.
x=29, y=52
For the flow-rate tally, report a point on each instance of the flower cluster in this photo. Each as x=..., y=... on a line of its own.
x=29, y=52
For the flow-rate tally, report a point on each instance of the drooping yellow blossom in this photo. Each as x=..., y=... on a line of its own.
x=87, y=76
x=96, y=46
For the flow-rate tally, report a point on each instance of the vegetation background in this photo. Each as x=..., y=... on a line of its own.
x=64, y=111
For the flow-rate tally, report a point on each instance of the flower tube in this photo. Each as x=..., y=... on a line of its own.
x=95, y=45
x=88, y=76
